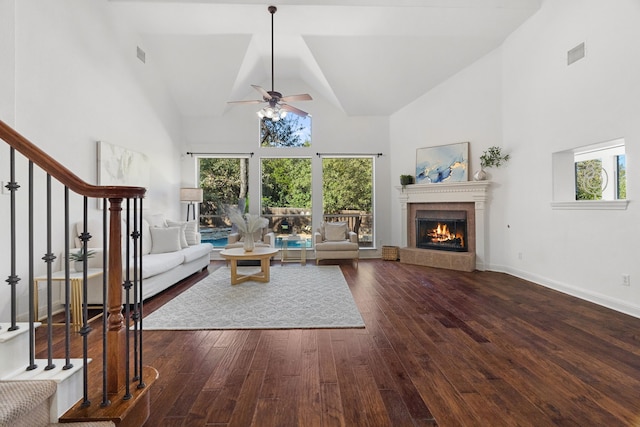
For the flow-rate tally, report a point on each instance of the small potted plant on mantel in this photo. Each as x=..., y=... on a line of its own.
x=406, y=180
x=79, y=257
x=492, y=157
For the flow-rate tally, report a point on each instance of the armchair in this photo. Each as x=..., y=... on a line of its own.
x=333, y=240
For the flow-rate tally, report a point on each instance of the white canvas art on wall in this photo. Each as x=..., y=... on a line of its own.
x=121, y=166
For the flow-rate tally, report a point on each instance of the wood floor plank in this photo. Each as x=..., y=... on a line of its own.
x=327, y=366
x=197, y=415
x=246, y=405
x=439, y=348
x=310, y=406
x=332, y=412
x=233, y=349
x=376, y=410
x=352, y=405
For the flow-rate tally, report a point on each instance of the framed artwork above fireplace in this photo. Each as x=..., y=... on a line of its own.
x=443, y=163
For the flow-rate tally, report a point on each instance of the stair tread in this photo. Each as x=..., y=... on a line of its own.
x=19, y=398
x=85, y=424
x=56, y=374
x=6, y=334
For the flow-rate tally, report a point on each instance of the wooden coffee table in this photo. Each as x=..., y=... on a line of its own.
x=261, y=254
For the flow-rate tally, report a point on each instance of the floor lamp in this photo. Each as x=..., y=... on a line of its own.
x=191, y=195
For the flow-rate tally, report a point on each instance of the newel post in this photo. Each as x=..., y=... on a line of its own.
x=115, y=338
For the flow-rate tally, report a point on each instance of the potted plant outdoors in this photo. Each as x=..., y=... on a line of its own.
x=492, y=157
x=79, y=257
x=406, y=180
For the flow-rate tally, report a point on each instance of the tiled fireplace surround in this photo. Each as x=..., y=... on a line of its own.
x=470, y=196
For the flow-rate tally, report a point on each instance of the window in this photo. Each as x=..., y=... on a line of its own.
x=292, y=131
x=286, y=197
x=224, y=183
x=600, y=173
x=595, y=172
x=347, y=194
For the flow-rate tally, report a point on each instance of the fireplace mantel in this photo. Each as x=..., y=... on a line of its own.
x=476, y=192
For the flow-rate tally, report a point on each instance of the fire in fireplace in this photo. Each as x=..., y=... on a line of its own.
x=447, y=231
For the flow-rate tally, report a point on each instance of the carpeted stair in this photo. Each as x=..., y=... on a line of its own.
x=27, y=404
x=35, y=397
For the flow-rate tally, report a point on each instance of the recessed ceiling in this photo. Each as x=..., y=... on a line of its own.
x=367, y=57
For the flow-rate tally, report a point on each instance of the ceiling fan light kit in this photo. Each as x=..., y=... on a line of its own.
x=274, y=113
x=277, y=109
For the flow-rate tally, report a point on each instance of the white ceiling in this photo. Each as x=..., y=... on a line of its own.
x=367, y=57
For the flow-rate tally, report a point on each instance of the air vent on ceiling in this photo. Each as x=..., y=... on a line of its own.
x=575, y=54
x=141, y=55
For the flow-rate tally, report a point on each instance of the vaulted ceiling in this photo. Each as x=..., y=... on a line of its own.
x=367, y=57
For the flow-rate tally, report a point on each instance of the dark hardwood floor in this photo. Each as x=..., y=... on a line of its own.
x=439, y=348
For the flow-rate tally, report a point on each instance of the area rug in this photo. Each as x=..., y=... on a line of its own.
x=297, y=297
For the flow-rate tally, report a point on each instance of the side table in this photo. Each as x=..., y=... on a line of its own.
x=76, y=279
x=288, y=255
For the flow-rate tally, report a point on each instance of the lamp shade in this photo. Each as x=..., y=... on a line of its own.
x=191, y=195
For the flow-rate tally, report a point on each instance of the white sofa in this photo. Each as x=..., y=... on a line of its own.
x=171, y=251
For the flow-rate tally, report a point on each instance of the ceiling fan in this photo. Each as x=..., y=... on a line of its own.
x=277, y=108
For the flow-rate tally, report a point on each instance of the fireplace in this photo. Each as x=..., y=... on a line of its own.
x=464, y=204
x=442, y=230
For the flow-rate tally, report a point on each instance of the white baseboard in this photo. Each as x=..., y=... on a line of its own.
x=594, y=297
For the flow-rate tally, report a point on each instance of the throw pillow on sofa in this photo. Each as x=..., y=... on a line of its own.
x=191, y=232
x=189, y=229
x=156, y=220
x=182, y=226
x=165, y=239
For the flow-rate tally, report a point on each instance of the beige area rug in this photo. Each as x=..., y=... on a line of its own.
x=297, y=297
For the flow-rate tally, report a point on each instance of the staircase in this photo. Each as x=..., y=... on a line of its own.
x=39, y=396
x=42, y=392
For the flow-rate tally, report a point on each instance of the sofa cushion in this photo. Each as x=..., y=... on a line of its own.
x=194, y=252
x=343, y=245
x=154, y=264
x=146, y=238
x=156, y=220
x=165, y=239
x=335, y=231
x=191, y=233
x=183, y=226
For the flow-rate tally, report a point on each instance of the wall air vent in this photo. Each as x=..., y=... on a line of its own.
x=575, y=54
x=141, y=55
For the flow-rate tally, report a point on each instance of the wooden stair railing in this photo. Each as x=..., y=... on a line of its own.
x=117, y=386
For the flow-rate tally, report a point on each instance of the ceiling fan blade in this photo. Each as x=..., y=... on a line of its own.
x=246, y=102
x=263, y=92
x=293, y=98
x=294, y=110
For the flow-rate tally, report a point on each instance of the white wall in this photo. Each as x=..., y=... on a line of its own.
x=546, y=106
x=467, y=107
x=549, y=106
x=332, y=132
x=77, y=81
x=7, y=65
